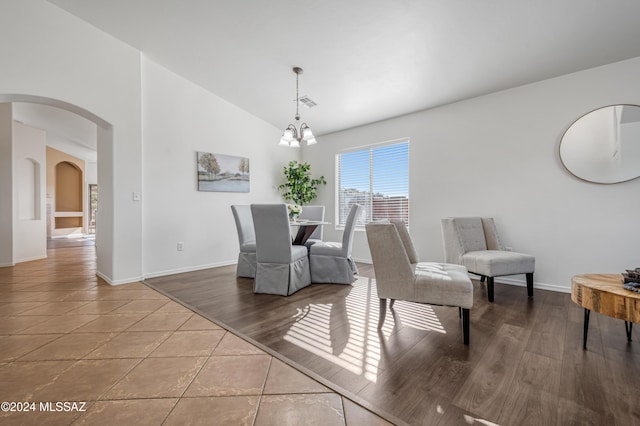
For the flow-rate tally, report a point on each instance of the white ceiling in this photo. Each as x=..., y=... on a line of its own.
x=366, y=60
x=66, y=131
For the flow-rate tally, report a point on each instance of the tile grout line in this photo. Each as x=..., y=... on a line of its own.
x=194, y=376
x=266, y=376
x=140, y=360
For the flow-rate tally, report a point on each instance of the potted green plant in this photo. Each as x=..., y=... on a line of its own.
x=300, y=188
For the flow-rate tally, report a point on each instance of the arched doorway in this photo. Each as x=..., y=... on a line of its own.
x=72, y=199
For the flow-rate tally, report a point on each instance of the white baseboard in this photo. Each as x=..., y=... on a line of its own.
x=189, y=269
x=3, y=265
x=510, y=281
x=536, y=285
x=166, y=272
x=502, y=280
x=118, y=282
x=29, y=259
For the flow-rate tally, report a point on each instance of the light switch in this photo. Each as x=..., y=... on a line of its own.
x=136, y=196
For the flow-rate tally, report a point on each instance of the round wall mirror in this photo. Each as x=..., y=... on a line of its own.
x=603, y=146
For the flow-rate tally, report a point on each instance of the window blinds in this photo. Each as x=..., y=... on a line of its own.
x=377, y=178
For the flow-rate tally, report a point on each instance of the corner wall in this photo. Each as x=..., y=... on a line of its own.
x=30, y=218
x=179, y=119
x=497, y=155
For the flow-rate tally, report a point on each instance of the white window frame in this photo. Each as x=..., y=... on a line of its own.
x=370, y=148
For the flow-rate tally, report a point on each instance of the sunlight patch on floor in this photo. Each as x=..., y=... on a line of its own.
x=353, y=342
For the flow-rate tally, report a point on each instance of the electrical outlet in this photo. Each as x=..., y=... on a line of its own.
x=180, y=246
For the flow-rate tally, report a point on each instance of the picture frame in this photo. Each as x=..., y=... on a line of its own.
x=222, y=173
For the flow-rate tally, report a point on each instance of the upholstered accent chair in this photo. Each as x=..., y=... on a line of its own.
x=331, y=262
x=247, y=241
x=315, y=213
x=474, y=243
x=400, y=275
x=282, y=268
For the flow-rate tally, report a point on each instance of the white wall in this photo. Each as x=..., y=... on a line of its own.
x=29, y=187
x=497, y=155
x=179, y=119
x=91, y=173
x=6, y=185
x=49, y=54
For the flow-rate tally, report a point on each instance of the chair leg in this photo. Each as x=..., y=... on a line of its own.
x=391, y=303
x=465, y=326
x=490, y=288
x=530, y=284
x=383, y=312
x=459, y=312
x=482, y=277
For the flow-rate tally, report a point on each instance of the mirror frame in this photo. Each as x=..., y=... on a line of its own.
x=565, y=133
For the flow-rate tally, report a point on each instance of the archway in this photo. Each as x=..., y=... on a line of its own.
x=104, y=233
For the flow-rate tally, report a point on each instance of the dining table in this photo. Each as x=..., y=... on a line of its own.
x=304, y=229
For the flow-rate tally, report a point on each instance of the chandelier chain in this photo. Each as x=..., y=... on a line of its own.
x=297, y=117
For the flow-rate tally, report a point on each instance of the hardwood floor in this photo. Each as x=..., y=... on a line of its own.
x=524, y=364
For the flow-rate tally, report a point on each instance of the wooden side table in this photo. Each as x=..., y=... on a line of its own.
x=604, y=293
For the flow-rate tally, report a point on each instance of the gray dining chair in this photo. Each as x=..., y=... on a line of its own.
x=331, y=262
x=247, y=241
x=474, y=243
x=315, y=213
x=282, y=268
x=401, y=276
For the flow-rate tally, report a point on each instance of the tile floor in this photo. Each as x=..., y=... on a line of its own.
x=133, y=356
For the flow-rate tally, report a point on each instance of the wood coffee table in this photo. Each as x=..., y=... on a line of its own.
x=604, y=294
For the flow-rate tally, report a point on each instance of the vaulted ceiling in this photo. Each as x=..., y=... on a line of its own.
x=366, y=60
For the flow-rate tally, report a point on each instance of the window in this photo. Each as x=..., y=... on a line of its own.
x=377, y=178
x=93, y=208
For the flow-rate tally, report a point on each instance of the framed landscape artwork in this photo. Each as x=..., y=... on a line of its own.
x=222, y=173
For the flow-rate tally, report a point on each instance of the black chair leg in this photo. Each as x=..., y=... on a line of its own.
x=459, y=312
x=482, y=277
x=490, y=288
x=465, y=326
x=628, y=327
x=391, y=303
x=383, y=312
x=530, y=284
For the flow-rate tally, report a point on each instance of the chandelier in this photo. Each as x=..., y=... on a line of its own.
x=292, y=137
